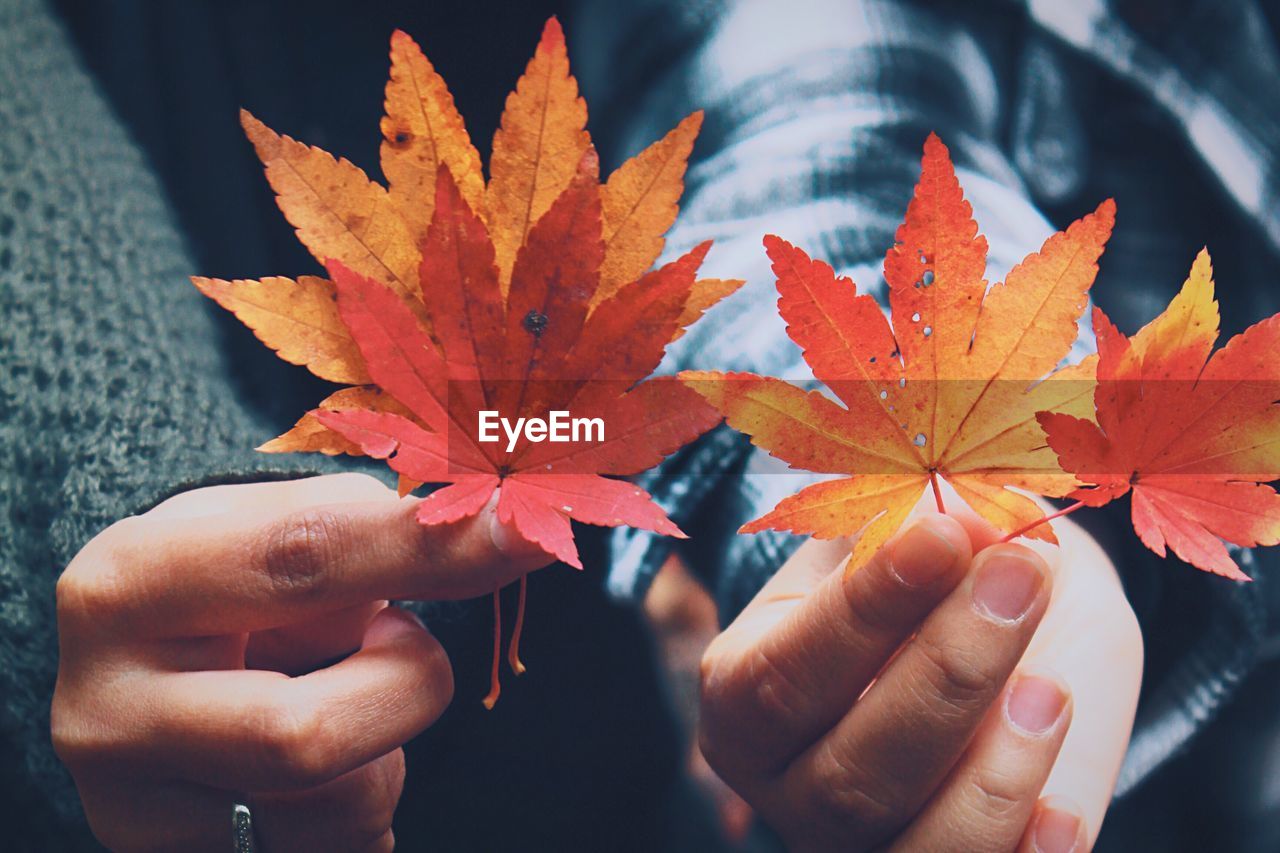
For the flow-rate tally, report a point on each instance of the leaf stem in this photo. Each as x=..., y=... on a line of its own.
x=937, y=491
x=495, y=687
x=513, y=651
x=1048, y=518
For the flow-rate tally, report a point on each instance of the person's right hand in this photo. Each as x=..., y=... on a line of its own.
x=921, y=702
x=197, y=666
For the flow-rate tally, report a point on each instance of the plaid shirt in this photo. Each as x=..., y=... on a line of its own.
x=816, y=113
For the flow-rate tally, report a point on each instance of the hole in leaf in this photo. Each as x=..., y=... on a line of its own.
x=535, y=322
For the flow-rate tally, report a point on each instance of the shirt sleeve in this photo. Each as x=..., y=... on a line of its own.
x=815, y=121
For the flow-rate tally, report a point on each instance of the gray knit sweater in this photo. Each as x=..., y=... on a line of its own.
x=112, y=390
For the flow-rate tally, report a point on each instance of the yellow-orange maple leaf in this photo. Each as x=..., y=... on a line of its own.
x=948, y=390
x=308, y=435
x=297, y=319
x=420, y=131
x=340, y=214
x=537, y=148
x=639, y=203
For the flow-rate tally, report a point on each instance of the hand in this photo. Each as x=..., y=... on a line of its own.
x=914, y=705
x=198, y=648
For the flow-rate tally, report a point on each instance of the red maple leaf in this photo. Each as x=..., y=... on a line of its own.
x=536, y=352
x=1193, y=434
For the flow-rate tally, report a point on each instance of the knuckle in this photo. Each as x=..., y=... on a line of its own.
x=74, y=742
x=719, y=711
x=75, y=593
x=294, y=746
x=744, y=693
x=439, y=674
x=848, y=794
x=957, y=677
x=877, y=613
x=87, y=593
x=712, y=714
x=300, y=550
x=384, y=844
x=94, y=722
x=714, y=678
x=93, y=585
x=709, y=746
x=713, y=658
x=998, y=796
x=777, y=696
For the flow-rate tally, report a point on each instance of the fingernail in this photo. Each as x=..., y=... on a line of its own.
x=1057, y=829
x=1035, y=704
x=1007, y=584
x=922, y=554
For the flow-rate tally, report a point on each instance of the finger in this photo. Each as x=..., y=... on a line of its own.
x=879, y=763
x=261, y=731
x=385, y=844
x=249, y=570
x=988, y=800
x=1057, y=826
x=351, y=812
x=787, y=670
x=172, y=815
x=303, y=646
x=273, y=496
x=1091, y=638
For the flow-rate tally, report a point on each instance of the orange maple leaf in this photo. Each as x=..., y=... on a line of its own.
x=948, y=390
x=340, y=214
x=535, y=352
x=524, y=296
x=1192, y=433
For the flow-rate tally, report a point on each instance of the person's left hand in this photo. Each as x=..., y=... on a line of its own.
x=924, y=701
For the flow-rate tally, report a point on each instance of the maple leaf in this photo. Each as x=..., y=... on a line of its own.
x=1193, y=434
x=948, y=390
x=341, y=214
x=448, y=296
x=491, y=357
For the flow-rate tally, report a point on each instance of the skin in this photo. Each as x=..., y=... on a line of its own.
x=953, y=694
x=236, y=641
x=194, y=642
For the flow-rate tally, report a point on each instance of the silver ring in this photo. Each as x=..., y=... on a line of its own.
x=242, y=829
